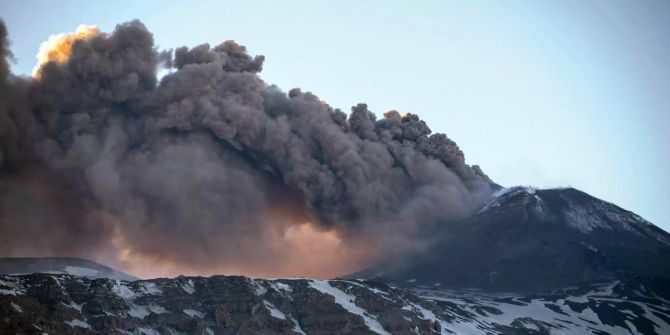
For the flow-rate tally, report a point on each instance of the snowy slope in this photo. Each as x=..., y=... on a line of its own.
x=63, y=304
x=607, y=308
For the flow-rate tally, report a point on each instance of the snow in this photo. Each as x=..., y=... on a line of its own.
x=274, y=312
x=108, y=313
x=81, y=271
x=377, y=291
x=12, y=286
x=123, y=291
x=157, y=309
x=78, y=323
x=380, y=293
x=150, y=288
x=148, y=331
x=193, y=313
x=138, y=311
x=188, y=287
x=258, y=288
x=17, y=308
x=660, y=325
x=574, y=323
x=604, y=215
x=74, y=305
x=297, y=328
x=279, y=287
x=347, y=302
x=494, y=197
x=632, y=327
x=426, y=315
x=584, y=217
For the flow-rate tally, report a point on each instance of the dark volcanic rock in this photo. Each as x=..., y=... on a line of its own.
x=531, y=241
x=64, y=304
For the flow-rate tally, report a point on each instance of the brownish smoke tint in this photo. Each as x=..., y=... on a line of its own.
x=59, y=47
x=38, y=218
x=209, y=169
x=297, y=250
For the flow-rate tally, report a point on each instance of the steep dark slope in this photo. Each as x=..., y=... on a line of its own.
x=528, y=240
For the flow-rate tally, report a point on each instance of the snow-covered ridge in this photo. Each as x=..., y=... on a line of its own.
x=586, y=312
x=497, y=198
x=297, y=306
x=602, y=215
x=578, y=210
x=348, y=302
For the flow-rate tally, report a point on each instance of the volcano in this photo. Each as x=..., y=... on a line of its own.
x=527, y=240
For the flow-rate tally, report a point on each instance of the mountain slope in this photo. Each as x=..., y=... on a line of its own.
x=63, y=304
x=60, y=265
x=528, y=240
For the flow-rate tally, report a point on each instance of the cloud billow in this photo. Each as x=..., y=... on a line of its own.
x=210, y=166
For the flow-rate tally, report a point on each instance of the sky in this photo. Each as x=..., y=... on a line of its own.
x=541, y=93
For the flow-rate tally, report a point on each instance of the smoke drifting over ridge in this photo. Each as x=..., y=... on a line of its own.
x=210, y=169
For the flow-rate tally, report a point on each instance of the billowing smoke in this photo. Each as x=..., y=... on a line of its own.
x=210, y=169
x=58, y=47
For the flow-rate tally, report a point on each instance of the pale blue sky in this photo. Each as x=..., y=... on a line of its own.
x=543, y=93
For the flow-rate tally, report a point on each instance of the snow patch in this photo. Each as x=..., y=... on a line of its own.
x=123, y=291
x=140, y=312
x=258, y=288
x=11, y=286
x=347, y=302
x=427, y=315
x=297, y=328
x=17, y=308
x=150, y=288
x=194, y=314
x=81, y=271
x=147, y=331
x=274, y=312
x=504, y=310
x=188, y=287
x=74, y=305
x=78, y=323
x=283, y=287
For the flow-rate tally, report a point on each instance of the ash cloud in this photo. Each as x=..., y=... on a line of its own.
x=210, y=167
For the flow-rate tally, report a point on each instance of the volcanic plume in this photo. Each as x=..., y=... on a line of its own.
x=209, y=169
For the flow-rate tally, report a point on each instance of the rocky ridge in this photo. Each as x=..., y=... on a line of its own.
x=65, y=304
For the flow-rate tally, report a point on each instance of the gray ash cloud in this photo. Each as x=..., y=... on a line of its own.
x=210, y=164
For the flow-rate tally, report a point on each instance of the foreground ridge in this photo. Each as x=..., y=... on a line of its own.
x=59, y=304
